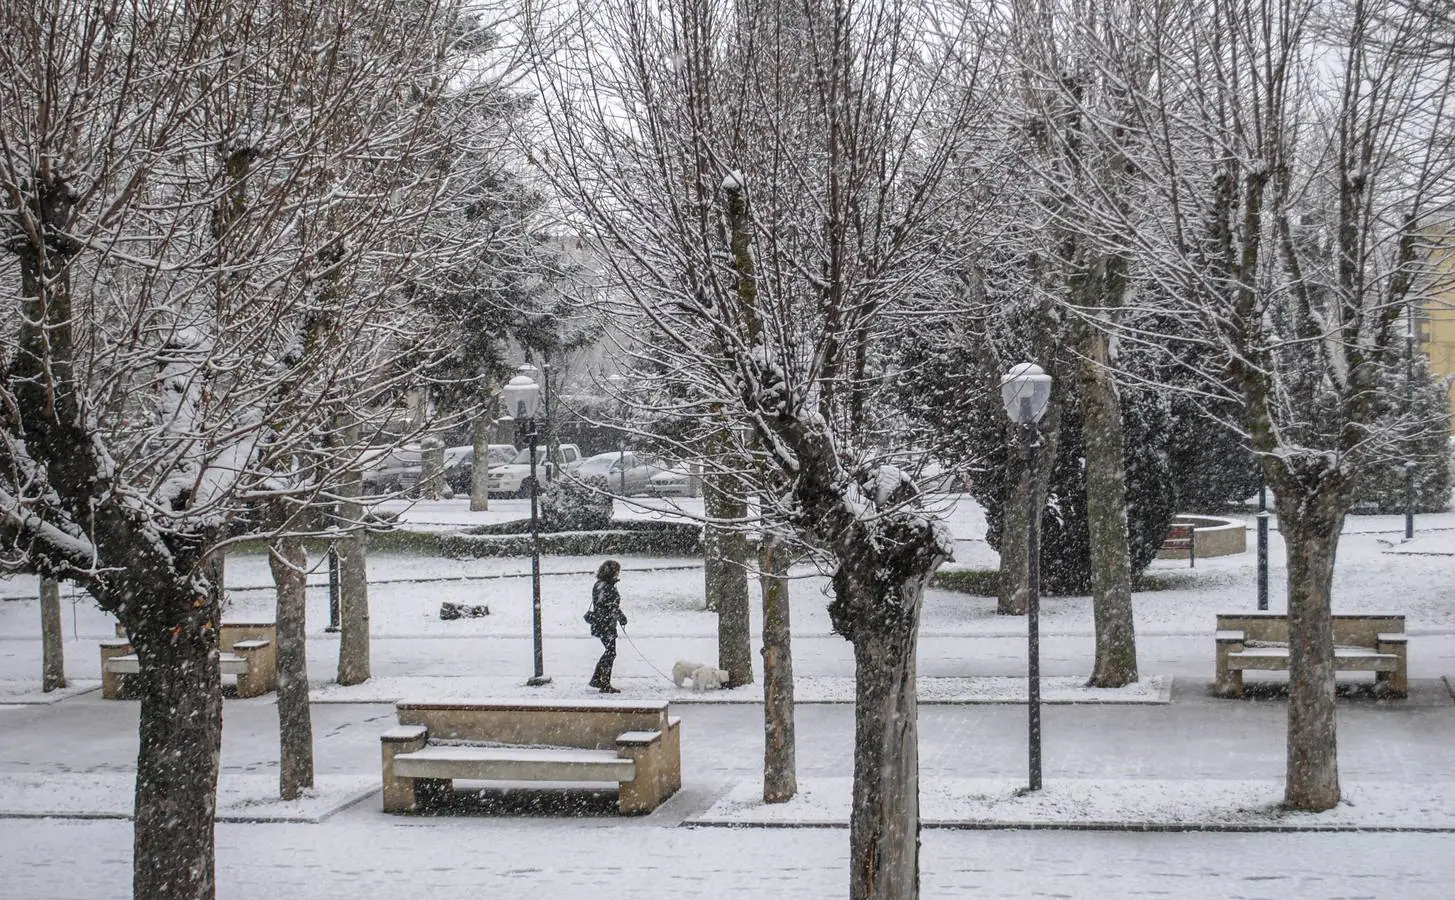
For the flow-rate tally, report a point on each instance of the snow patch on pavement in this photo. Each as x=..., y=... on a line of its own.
x=1104, y=803
x=111, y=795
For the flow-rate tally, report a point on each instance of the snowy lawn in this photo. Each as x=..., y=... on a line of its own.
x=1104, y=803
x=806, y=689
x=1376, y=572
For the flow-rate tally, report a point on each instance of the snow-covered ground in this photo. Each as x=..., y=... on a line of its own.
x=1161, y=755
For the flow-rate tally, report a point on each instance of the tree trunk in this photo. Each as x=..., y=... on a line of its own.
x=725, y=567
x=179, y=753
x=1106, y=512
x=1310, y=527
x=884, y=821
x=353, y=643
x=780, y=765
x=1013, y=570
x=712, y=550
x=431, y=469
x=734, y=616
x=480, y=433
x=52, y=642
x=288, y=560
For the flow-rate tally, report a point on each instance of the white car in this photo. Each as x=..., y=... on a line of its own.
x=622, y=472
x=513, y=478
x=459, y=465
x=677, y=481
x=392, y=471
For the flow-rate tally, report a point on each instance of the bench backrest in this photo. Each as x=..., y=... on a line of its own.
x=586, y=723
x=229, y=633
x=1348, y=629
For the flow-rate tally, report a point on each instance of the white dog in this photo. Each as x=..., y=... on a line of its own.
x=709, y=679
x=703, y=676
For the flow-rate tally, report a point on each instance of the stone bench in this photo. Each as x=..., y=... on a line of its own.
x=1362, y=643
x=635, y=746
x=248, y=650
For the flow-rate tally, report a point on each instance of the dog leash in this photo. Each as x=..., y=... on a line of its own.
x=644, y=656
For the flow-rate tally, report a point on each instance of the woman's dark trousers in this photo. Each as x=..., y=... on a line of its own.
x=602, y=677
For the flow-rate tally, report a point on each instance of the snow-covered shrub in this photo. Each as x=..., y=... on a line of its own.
x=1380, y=486
x=566, y=505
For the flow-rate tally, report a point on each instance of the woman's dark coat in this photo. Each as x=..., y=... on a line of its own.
x=605, y=610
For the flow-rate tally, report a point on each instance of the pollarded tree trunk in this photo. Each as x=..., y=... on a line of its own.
x=180, y=747
x=879, y=588
x=288, y=562
x=52, y=642
x=780, y=764
x=884, y=821
x=1310, y=526
x=1106, y=512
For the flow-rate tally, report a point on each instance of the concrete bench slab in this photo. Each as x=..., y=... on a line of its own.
x=230, y=663
x=515, y=764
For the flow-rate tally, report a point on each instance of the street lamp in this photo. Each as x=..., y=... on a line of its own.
x=1026, y=392
x=522, y=395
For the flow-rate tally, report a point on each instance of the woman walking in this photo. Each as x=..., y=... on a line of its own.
x=603, y=618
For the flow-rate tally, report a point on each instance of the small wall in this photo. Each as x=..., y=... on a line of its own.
x=1215, y=536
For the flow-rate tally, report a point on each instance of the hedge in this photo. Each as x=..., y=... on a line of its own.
x=986, y=582
x=642, y=538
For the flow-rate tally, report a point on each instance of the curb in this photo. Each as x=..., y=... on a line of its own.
x=1141, y=827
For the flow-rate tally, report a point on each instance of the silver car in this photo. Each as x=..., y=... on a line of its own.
x=622, y=472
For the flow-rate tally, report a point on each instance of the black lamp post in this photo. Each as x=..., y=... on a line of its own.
x=1026, y=392
x=1262, y=547
x=333, y=588
x=522, y=395
x=1409, y=405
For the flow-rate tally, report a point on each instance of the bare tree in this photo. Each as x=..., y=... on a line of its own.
x=1081, y=66
x=833, y=129
x=164, y=170
x=1302, y=149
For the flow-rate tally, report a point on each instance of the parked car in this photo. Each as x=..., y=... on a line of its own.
x=512, y=479
x=622, y=472
x=392, y=471
x=460, y=463
x=676, y=481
